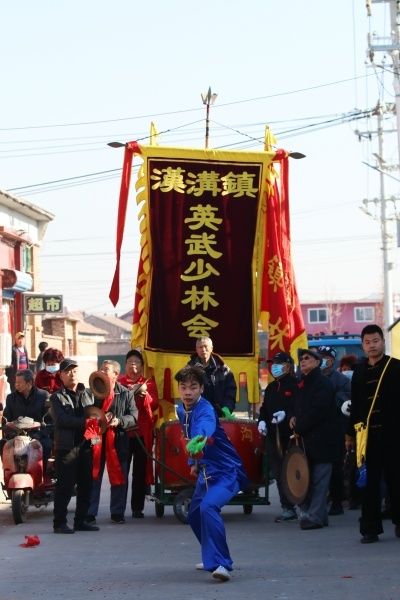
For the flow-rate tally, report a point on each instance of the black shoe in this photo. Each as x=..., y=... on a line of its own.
x=397, y=531
x=86, y=527
x=118, y=518
x=137, y=514
x=336, y=509
x=354, y=505
x=307, y=524
x=63, y=529
x=369, y=538
x=91, y=519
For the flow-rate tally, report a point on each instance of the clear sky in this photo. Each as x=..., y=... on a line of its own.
x=78, y=74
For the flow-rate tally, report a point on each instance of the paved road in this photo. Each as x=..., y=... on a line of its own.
x=154, y=559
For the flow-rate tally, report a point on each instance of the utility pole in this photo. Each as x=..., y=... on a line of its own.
x=381, y=212
x=388, y=45
x=387, y=266
x=208, y=99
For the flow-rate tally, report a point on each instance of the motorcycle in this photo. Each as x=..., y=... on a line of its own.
x=25, y=482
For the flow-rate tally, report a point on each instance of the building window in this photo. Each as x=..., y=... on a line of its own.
x=317, y=315
x=27, y=259
x=364, y=314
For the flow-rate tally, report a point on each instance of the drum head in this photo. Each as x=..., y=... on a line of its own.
x=295, y=475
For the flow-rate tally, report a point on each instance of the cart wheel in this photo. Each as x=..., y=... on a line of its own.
x=159, y=509
x=182, y=504
x=247, y=509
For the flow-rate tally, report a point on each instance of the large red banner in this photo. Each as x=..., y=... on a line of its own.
x=203, y=220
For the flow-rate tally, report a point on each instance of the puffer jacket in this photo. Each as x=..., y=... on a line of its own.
x=220, y=385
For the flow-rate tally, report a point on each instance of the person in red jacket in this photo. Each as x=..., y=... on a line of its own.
x=146, y=399
x=49, y=378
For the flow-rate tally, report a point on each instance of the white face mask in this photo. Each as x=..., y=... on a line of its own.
x=323, y=364
x=52, y=368
x=348, y=374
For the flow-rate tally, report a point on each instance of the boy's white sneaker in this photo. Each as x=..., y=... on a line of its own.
x=221, y=573
x=199, y=567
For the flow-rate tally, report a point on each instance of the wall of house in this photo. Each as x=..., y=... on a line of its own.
x=341, y=317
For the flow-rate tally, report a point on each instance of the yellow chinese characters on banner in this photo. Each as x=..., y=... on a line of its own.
x=202, y=216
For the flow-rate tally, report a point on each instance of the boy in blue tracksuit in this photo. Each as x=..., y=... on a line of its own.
x=218, y=467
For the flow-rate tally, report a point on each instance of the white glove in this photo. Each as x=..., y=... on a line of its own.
x=346, y=406
x=262, y=428
x=278, y=417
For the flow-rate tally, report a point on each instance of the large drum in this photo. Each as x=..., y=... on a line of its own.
x=249, y=444
x=170, y=450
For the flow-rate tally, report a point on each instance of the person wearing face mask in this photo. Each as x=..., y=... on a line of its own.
x=342, y=387
x=278, y=402
x=49, y=378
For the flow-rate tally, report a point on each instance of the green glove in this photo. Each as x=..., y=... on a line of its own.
x=227, y=413
x=196, y=444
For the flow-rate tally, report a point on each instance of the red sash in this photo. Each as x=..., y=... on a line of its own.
x=115, y=472
x=92, y=432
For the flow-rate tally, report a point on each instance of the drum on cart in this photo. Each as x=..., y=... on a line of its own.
x=174, y=484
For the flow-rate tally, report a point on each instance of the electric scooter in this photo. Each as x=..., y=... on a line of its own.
x=25, y=482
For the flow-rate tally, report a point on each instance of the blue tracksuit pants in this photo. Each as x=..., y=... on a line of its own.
x=206, y=521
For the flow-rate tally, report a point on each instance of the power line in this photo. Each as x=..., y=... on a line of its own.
x=33, y=185
x=79, y=178
x=174, y=112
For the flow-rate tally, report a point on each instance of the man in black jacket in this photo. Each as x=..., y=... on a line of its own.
x=219, y=384
x=121, y=416
x=382, y=446
x=28, y=401
x=73, y=453
x=315, y=421
x=279, y=398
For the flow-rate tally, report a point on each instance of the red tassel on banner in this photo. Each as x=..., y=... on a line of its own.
x=131, y=148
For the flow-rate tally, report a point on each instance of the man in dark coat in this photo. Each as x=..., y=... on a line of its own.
x=121, y=415
x=342, y=388
x=279, y=398
x=220, y=385
x=73, y=453
x=315, y=421
x=382, y=446
x=28, y=401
